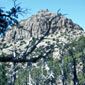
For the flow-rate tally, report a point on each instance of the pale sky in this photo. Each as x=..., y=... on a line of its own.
x=74, y=8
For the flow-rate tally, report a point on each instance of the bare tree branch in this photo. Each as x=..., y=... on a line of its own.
x=20, y=60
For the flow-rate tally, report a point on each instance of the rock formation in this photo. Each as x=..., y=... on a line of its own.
x=63, y=31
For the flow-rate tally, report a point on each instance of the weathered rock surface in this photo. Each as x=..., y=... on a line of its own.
x=63, y=30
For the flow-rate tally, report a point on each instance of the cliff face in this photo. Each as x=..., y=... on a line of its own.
x=63, y=30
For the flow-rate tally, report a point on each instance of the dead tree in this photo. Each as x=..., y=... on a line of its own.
x=11, y=16
x=75, y=78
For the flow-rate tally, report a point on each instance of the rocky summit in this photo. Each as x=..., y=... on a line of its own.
x=63, y=30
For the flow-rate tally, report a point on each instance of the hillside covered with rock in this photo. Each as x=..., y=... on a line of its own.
x=65, y=37
x=63, y=31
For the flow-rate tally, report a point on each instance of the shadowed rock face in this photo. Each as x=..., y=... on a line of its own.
x=35, y=26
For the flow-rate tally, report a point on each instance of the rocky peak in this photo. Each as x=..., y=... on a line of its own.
x=35, y=26
x=63, y=31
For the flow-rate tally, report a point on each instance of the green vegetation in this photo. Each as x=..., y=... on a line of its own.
x=3, y=78
x=39, y=74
